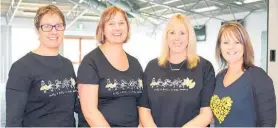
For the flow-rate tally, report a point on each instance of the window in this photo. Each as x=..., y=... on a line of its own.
x=76, y=48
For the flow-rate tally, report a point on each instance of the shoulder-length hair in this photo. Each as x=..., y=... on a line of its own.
x=235, y=30
x=192, y=57
x=105, y=17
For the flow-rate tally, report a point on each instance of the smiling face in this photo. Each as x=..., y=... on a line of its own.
x=51, y=39
x=116, y=29
x=232, y=49
x=177, y=37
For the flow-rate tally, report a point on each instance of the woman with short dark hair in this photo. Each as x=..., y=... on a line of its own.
x=41, y=89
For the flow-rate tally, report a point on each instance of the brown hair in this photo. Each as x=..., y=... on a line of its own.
x=45, y=10
x=235, y=29
x=105, y=17
x=192, y=57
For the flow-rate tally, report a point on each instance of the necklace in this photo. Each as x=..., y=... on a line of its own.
x=176, y=69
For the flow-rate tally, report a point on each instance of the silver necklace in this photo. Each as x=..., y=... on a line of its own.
x=175, y=69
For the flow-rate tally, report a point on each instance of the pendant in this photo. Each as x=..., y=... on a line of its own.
x=175, y=69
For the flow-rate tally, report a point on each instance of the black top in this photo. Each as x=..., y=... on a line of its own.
x=41, y=92
x=232, y=106
x=175, y=97
x=261, y=90
x=118, y=90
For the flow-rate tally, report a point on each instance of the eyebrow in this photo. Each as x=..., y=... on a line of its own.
x=114, y=21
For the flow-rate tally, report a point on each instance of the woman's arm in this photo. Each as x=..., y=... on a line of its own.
x=17, y=89
x=201, y=120
x=89, y=104
x=205, y=116
x=265, y=103
x=146, y=118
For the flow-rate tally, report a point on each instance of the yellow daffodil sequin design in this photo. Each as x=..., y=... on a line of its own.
x=154, y=83
x=221, y=107
x=140, y=83
x=189, y=83
x=109, y=85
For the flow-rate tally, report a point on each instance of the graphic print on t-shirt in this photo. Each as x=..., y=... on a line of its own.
x=58, y=87
x=172, y=85
x=123, y=86
x=221, y=107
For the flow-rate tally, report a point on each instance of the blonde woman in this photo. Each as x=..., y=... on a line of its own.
x=244, y=94
x=109, y=79
x=178, y=85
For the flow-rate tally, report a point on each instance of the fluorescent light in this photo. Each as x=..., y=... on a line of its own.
x=148, y=7
x=250, y=1
x=210, y=8
x=238, y=2
x=90, y=17
x=181, y=6
x=162, y=10
x=170, y=1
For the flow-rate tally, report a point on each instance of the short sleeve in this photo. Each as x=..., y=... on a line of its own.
x=144, y=99
x=208, y=85
x=17, y=88
x=87, y=71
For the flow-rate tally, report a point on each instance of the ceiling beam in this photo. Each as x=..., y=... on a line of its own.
x=128, y=7
x=12, y=10
x=75, y=6
x=82, y=8
x=181, y=10
x=232, y=5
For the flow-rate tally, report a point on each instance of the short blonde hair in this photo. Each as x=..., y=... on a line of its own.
x=45, y=10
x=236, y=30
x=105, y=17
x=192, y=58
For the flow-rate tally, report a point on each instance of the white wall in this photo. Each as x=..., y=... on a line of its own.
x=254, y=23
x=25, y=38
x=141, y=44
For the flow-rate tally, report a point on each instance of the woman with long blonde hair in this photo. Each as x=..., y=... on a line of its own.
x=179, y=83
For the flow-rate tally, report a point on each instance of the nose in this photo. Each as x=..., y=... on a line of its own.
x=53, y=31
x=231, y=46
x=176, y=36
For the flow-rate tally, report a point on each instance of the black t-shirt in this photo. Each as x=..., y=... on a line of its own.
x=41, y=92
x=232, y=106
x=118, y=90
x=175, y=97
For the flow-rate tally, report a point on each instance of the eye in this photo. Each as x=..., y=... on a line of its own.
x=47, y=26
x=182, y=33
x=59, y=25
x=111, y=24
x=171, y=32
x=225, y=42
x=237, y=42
x=122, y=23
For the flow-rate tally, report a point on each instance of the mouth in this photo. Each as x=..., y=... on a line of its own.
x=53, y=38
x=177, y=44
x=117, y=34
x=231, y=53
